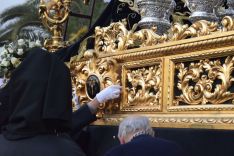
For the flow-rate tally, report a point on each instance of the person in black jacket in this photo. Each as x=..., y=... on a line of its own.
x=37, y=104
x=137, y=139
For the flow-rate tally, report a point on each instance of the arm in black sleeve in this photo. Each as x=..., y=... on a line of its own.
x=81, y=118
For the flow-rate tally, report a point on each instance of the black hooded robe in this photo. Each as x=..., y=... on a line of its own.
x=39, y=115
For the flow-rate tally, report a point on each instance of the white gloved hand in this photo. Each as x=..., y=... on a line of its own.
x=109, y=93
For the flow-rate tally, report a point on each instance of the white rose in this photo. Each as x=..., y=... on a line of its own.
x=38, y=43
x=21, y=42
x=20, y=51
x=5, y=63
x=10, y=50
x=15, y=61
x=32, y=44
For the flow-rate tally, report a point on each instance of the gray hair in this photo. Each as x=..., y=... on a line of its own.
x=135, y=125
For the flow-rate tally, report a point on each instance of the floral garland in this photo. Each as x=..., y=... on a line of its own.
x=12, y=54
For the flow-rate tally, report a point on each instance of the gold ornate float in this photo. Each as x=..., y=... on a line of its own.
x=181, y=79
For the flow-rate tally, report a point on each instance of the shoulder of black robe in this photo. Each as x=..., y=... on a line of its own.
x=39, y=96
x=114, y=12
x=4, y=102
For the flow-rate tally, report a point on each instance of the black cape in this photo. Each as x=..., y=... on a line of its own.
x=38, y=116
x=38, y=97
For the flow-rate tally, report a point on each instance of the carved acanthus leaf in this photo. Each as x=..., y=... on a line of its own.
x=204, y=75
x=228, y=23
x=144, y=86
x=199, y=28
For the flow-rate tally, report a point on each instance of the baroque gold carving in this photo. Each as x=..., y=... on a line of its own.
x=142, y=86
x=178, y=120
x=111, y=38
x=205, y=90
x=199, y=28
x=105, y=69
x=228, y=23
x=144, y=67
x=117, y=38
x=188, y=121
x=147, y=37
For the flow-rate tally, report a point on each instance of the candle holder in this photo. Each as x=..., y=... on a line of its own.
x=54, y=14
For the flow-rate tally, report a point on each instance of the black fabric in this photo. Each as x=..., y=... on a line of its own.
x=37, y=101
x=39, y=96
x=4, y=97
x=114, y=12
x=40, y=145
x=51, y=144
x=147, y=145
x=81, y=118
x=195, y=142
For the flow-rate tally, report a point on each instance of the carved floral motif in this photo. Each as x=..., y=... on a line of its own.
x=204, y=74
x=142, y=87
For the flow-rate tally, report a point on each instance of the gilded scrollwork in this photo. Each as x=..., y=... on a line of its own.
x=178, y=31
x=147, y=37
x=199, y=28
x=204, y=75
x=192, y=121
x=228, y=23
x=105, y=70
x=117, y=38
x=142, y=88
x=111, y=38
x=202, y=28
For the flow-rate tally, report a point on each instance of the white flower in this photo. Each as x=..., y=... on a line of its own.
x=38, y=43
x=20, y=51
x=21, y=42
x=8, y=60
x=5, y=63
x=31, y=44
x=15, y=61
x=10, y=50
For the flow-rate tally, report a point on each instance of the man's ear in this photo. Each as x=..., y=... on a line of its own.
x=121, y=140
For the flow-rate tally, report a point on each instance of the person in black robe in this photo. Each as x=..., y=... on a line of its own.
x=37, y=104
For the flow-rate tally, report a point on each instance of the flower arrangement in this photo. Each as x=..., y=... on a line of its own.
x=12, y=54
